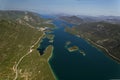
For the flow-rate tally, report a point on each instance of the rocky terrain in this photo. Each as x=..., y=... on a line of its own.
x=19, y=39
x=103, y=34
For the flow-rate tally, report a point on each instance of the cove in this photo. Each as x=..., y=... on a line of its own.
x=74, y=66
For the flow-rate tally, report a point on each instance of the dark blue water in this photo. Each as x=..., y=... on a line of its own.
x=74, y=66
x=43, y=45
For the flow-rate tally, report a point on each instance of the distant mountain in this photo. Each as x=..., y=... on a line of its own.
x=88, y=19
x=72, y=19
x=111, y=19
x=25, y=17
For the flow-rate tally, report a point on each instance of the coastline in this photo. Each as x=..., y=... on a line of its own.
x=51, y=54
x=99, y=47
x=104, y=50
x=55, y=78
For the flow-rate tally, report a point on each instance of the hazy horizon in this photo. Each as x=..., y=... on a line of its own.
x=71, y=7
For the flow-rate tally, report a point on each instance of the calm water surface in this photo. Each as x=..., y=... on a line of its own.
x=74, y=66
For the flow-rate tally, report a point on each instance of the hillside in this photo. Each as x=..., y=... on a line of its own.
x=25, y=17
x=104, y=35
x=72, y=19
x=19, y=39
x=80, y=19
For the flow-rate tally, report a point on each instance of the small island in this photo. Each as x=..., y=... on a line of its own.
x=51, y=41
x=82, y=52
x=50, y=36
x=73, y=48
x=68, y=43
x=49, y=31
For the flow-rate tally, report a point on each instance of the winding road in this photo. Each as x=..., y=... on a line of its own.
x=15, y=67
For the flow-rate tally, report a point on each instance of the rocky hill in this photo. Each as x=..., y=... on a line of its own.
x=19, y=40
x=72, y=19
x=102, y=34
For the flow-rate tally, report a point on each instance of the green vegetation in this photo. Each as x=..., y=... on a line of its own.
x=27, y=18
x=71, y=30
x=104, y=35
x=72, y=19
x=36, y=67
x=51, y=26
x=73, y=48
x=50, y=37
x=19, y=58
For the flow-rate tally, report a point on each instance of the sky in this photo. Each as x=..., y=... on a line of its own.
x=74, y=7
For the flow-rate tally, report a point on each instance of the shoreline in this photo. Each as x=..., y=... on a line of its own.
x=101, y=48
x=105, y=51
x=51, y=54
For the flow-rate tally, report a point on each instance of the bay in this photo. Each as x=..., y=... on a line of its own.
x=74, y=66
